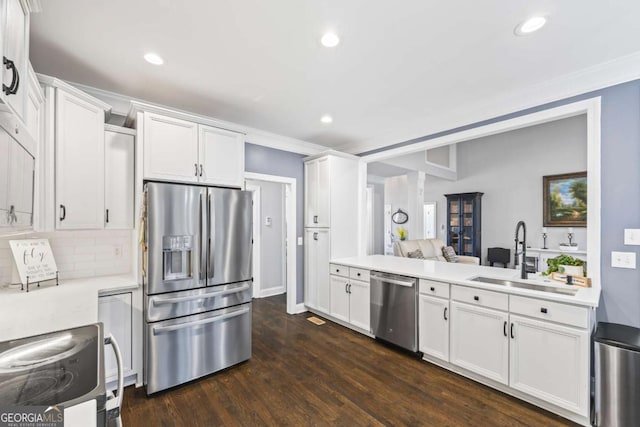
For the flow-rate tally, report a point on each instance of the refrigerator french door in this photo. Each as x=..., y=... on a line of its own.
x=198, y=287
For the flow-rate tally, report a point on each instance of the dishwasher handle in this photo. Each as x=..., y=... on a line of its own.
x=392, y=281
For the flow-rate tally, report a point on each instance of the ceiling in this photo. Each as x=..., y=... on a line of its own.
x=399, y=66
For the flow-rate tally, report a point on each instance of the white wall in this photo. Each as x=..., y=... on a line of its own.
x=378, y=217
x=396, y=194
x=78, y=253
x=272, y=274
x=508, y=168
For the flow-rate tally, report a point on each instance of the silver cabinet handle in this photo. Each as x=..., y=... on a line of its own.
x=393, y=281
x=349, y=291
x=346, y=286
x=200, y=296
x=160, y=329
x=315, y=219
x=445, y=313
x=315, y=236
x=200, y=169
x=107, y=216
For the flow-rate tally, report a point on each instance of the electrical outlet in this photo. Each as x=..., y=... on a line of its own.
x=632, y=236
x=623, y=259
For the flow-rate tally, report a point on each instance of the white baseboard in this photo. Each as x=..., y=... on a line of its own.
x=299, y=308
x=265, y=293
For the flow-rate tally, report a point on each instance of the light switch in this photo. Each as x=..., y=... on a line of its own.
x=299, y=241
x=632, y=236
x=623, y=259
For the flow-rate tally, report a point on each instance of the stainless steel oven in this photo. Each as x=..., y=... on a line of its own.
x=394, y=309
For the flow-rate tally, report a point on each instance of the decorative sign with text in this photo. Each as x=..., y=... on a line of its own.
x=34, y=260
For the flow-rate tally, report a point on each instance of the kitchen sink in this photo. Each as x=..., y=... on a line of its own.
x=524, y=285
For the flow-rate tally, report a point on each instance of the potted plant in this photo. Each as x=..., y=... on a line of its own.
x=566, y=264
x=402, y=233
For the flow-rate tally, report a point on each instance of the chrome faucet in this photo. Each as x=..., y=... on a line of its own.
x=523, y=267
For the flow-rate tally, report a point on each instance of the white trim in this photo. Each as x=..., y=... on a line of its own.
x=128, y=106
x=590, y=107
x=299, y=308
x=265, y=293
x=292, y=261
x=600, y=76
x=60, y=84
x=120, y=129
x=257, y=237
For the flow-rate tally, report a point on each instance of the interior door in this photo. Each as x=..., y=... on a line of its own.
x=230, y=236
x=118, y=185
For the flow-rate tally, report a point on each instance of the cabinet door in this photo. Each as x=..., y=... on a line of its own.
x=323, y=256
x=359, y=300
x=479, y=341
x=79, y=163
x=221, y=157
x=339, y=297
x=118, y=180
x=33, y=106
x=310, y=193
x=170, y=148
x=20, y=194
x=550, y=362
x=114, y=311
x=433, y=326
x=310, y=269
x=323, y=191
x=15, y=49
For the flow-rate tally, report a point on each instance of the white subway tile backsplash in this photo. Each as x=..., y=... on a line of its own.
x=79, y=254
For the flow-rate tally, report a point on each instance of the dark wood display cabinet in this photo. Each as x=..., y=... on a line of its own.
x=464, y=214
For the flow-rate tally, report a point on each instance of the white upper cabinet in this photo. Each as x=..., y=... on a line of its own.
x=318, y=192
x=79, y=167
x=185, y=151
x=221, y=157
x=118, y=179
x=33, y=106
x=170, y=149
x=15, y=55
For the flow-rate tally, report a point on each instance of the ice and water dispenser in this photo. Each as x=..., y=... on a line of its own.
x=177, y=259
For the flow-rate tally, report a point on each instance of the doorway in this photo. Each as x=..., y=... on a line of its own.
x=274, y=270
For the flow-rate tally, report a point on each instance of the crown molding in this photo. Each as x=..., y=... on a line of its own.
x=620, y=70
x=73, y=90
x=128, y=107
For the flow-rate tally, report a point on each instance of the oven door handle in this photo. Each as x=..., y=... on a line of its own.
x=201, y=296
x=160, y=329
x=394, y=281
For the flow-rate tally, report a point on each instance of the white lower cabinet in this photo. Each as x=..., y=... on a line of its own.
x=433, y=326
x=115, y=312
x=479, y=341
x=359, y=298
x=350, y=299
x=551, y=362
x=317, y=292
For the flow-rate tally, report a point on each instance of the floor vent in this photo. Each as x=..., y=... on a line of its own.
x=316, y=321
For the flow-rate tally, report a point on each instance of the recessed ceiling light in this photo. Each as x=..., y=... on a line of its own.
x=153, y=58
x=326, y=119
x=330, y=40
x=530, y=25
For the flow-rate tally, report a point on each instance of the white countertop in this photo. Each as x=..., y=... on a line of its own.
x=460, y=274
x=50, y=308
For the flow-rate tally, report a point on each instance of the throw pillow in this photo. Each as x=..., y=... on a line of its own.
x=449, y=254
x=415, y=254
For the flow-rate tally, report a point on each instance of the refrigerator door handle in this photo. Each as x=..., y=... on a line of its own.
x=202, y=270
x=200, y=296
x=161, y=329
x=211, y=241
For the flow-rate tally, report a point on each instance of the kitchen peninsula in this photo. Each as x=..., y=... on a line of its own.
x=532, y=344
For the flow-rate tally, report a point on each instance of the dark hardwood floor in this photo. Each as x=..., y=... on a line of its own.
x=302, y=374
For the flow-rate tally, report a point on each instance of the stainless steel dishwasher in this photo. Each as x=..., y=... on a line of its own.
x=394, y=309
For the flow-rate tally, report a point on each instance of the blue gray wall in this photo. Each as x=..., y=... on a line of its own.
x=259, y=159
x=620, y=172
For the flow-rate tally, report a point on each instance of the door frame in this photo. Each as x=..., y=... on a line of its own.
x=290, y=214
x=256, y=195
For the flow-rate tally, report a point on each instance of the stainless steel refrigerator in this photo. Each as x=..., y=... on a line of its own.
x=197, y=282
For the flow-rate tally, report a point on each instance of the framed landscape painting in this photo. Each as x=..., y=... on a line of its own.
x=565, y=200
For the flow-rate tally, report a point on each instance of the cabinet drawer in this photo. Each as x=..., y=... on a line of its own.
x=359, y=274
x=339, y=270
x=549, y=310
x=437, y=289
x=480, y=297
